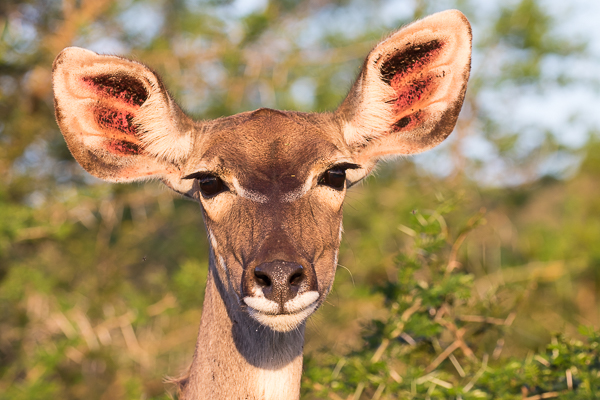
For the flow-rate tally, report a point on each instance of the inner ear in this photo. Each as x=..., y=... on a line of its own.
x=121, y=132
x=119, y=97
x=123, y=88
x=401, y=64
x=415, y=86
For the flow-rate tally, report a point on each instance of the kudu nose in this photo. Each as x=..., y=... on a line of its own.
x=281, y=280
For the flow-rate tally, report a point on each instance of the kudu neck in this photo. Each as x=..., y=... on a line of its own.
x=236, y=357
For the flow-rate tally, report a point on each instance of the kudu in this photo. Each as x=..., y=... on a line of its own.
x=270, y=184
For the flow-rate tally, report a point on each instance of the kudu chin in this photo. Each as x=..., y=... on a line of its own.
x=270, y=184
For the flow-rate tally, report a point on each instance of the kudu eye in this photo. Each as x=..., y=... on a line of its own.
x=211, y=185
x=334, y=178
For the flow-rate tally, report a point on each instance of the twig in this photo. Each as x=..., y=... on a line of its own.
x=338, y=368
x=449, y=350
x=397, y=332
x=547, y=395
x=359, y=390
x=395, y=376
x=441, y=383
x=480, y=318
x=541, y=360
x=378, y=392
x=405, y=317
x=459, y=334
x=457, y=365
x=498, y=349
x=379, y=352
x=408, y=339
x=334, y=396
x=472, y=382
x=453, y=263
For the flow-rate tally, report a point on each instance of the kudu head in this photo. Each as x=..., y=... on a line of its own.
x=270, y=183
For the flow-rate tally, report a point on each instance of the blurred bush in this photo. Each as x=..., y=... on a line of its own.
x=441, y=340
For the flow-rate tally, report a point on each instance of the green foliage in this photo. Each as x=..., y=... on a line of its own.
x=435, y=341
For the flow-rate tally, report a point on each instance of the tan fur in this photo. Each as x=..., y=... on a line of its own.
x=275, y=210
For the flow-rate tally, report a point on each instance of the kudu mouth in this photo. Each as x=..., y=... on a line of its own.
x=280, y=294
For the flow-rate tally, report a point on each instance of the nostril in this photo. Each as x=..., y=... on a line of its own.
x=262, y=279
x=296, y=278
x=278, y=281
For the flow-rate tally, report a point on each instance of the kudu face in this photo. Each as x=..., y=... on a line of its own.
x=271, y=183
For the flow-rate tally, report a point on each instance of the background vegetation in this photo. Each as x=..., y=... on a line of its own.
x=471, y=271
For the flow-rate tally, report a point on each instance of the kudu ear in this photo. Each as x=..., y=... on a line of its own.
x=410, y=89
x=118, y=120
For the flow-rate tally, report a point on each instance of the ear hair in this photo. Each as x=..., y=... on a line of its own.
x=169, y=142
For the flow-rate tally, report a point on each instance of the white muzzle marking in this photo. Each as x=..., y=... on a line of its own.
x=295, y=311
